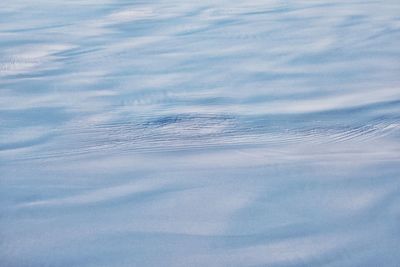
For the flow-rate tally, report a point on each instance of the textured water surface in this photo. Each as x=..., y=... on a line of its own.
x=199, y=133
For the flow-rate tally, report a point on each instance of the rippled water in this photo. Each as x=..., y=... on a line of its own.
x=199, y=133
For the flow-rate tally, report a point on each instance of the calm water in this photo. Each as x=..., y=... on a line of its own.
x=199, y=133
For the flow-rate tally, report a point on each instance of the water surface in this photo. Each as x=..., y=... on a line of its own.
x=199, y=133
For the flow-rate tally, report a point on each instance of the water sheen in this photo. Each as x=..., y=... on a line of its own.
x=199, y=133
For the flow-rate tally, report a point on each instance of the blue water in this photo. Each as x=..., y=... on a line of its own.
x=199, y=133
